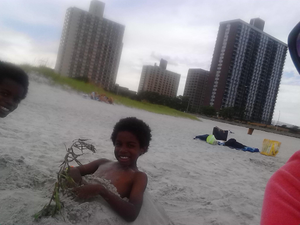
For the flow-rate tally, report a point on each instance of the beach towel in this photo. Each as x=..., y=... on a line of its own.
x=249, y=149
x=281, y=203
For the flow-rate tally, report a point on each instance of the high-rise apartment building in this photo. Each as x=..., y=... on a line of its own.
x=246, y=70
x=90, y=46
x=158, y=79
x=195, y=88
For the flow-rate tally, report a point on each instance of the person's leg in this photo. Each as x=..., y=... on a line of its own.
x=234, y=144
x=202, y=137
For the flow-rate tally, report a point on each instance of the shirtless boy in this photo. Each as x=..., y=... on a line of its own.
x=13, y=87
x=131, y=138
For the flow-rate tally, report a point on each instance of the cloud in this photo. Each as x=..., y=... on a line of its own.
x=288, y=104
x=20, y=48
x=182, y=32
x=293, y=79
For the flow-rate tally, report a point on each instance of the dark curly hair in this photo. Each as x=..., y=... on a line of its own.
x=10, y=71
x=135, y=126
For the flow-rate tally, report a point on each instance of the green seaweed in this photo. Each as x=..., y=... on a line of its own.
x=64, y=180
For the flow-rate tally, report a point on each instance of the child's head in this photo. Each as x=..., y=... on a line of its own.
x=13, y=87
x=137, y=127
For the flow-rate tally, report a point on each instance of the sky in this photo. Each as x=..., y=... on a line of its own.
x=183, y=32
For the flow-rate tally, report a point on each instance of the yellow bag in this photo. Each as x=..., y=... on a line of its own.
x=211, y=140
x=270, y=147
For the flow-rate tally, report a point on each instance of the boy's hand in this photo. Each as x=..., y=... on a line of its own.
x=75, y=174
x=88, y=191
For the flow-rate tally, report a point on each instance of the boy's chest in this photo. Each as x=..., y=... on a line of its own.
x=121, y=179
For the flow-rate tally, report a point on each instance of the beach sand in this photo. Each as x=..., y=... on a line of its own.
x=196, y=183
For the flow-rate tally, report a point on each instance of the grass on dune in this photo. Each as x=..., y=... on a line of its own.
x=160, y=109
x=89, y=88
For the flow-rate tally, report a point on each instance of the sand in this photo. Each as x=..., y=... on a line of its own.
x=195, y=183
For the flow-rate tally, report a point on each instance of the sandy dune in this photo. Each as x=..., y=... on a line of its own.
x=196, y=183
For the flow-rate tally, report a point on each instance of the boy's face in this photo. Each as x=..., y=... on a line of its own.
x=11, y=94
x=127, y=148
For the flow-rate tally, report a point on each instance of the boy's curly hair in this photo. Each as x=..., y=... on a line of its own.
x=10, y=71
x=135, y=126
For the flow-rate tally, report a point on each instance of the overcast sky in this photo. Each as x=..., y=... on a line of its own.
x=181, y=31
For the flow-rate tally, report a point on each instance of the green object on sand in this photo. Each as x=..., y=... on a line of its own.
x=64, y=180
x=211, y=140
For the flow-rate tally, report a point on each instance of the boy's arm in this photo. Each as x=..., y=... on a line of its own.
x=77, y=172
x=91, y=167
x=127, y=210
